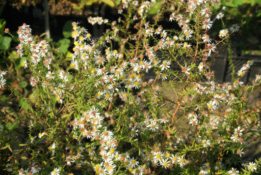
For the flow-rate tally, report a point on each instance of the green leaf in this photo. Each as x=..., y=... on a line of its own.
x=22, y=84
x=68, y=56
x=117, y=2
x=238, y=2
x=34, y=96
x=253, y=2
x=155, y=9
x=227, y=3
x=13, y=56
x=24, y=103
x=79, y=6
x=109, y=2
x=53, y=100
x=67, y=29
x=2, y=26
x=90, y=2
x=3, y=98
x=258, y=14
x=18, y=62
x=5, y=42
x=64, y=44
x=11, y=126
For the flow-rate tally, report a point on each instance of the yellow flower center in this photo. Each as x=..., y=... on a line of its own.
x=72, y=65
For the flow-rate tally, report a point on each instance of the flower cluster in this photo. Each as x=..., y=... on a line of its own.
x=103, y=111
x=97, y=20
x=245, y=68
x=2, y=79
x=25, y=38
x=34, y=169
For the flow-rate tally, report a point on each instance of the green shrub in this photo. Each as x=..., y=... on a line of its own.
x=104, y=111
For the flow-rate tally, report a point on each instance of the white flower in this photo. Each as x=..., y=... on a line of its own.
x=35, y=169
x=63, y=76
x=163, y=76
x=186, y=70
x=40, y=135
x=157, y=156
x=165, y=163
x=24, y=64
x=134, y=132
x=234, y=28
x=207, y=24
x=201, y=66
x=163, y=34
x=258, y=77
x=153, y=126
x=50, y=75
x=165, y=65
x=223, y=33
x=252, y=166
x=188, y=34
x=172, y=16
x=205, y=143
x=2, y=73
x=206, y=38
x=56, y=171
x=138, y=171
x=205, y=12
x=240, y=152
x=220, y=15
x=2, y=82
x=213, y=105
x=235, y=137
x=74, y=64
x=238, y=131
x=47, y=62
x=52, y=148
x=186, y=45
x=22, y=172
x=233, y=171
x=181, y=161
x=174, y=159
x=133, y=162
x=211, y=48
x=106, y=135
x=33, y=81
x=9, y=167
x=91, y=151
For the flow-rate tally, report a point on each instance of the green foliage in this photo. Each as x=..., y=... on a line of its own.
x=100, y=109
x=108, y=2
x=18, y=62
x=63, y=45
x=2, y=26
x=25, y=104
x=84, y=3
x=13, y=56
x=67, y=29
x=22, y=84
x=245, y=13
x=5, y=43
x=236, y=3
x=155, y=8
x=11, y=126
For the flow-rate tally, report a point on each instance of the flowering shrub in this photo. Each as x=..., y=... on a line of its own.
x=103, y=112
